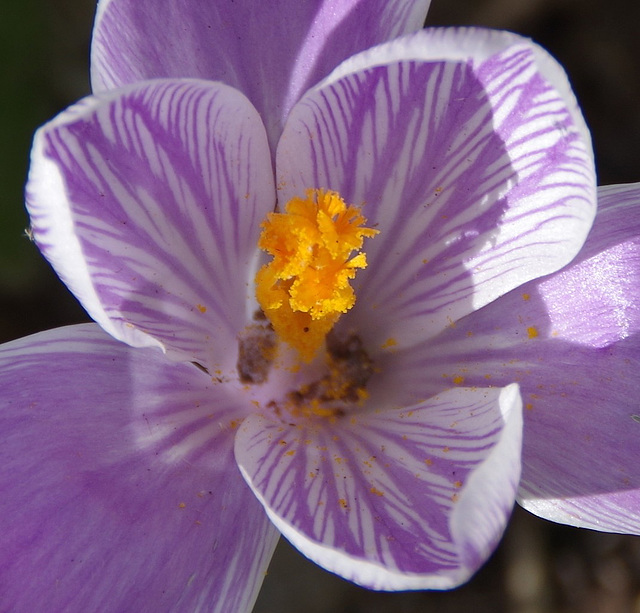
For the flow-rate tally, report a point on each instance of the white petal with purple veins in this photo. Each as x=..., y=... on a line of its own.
x=148, y=201
x=474, y=173
x=473, y=45
x=410, y=498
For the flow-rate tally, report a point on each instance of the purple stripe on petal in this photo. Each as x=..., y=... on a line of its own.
x=119, y=488
x=148, y=201
x=393, y=499
x=272, y=52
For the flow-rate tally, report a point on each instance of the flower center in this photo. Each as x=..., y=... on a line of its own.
x=316, y=249
x=348, y=370
x=330, y=387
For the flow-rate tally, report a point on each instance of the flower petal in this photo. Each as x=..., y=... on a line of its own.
x=393, y=499
x=148, y=201
x=270, y=51
x=572, y=342
x=475, y=45
x=475, y=173
x=119, y=487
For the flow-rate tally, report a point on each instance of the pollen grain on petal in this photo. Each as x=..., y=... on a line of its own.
x=390, y=342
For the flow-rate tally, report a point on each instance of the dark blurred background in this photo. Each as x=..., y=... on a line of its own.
x=540, y=567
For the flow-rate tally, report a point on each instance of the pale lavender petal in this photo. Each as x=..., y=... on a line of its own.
x=572, y=342
x=148, y=203
x=474, y=172
x=393, y=499
x=119, y=487
x=272, y=51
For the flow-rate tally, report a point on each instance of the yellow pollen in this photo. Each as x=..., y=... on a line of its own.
x=305, y=288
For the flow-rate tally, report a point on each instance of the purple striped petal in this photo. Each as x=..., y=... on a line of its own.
x=148, y=203
x=392, y=499
x=572, y=342
x=119, y=487
x=474, y=172
x=272, y=51
x=477, y=45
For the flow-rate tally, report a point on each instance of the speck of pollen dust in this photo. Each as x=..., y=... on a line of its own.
x=316, y=250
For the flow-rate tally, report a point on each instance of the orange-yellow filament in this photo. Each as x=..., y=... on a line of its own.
x=305, y=288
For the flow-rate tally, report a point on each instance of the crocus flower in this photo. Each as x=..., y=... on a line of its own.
x=140, y=457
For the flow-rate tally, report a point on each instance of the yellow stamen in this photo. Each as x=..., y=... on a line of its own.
x=305, y=288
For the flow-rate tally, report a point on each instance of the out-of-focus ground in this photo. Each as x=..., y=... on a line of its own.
x=539, y=567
